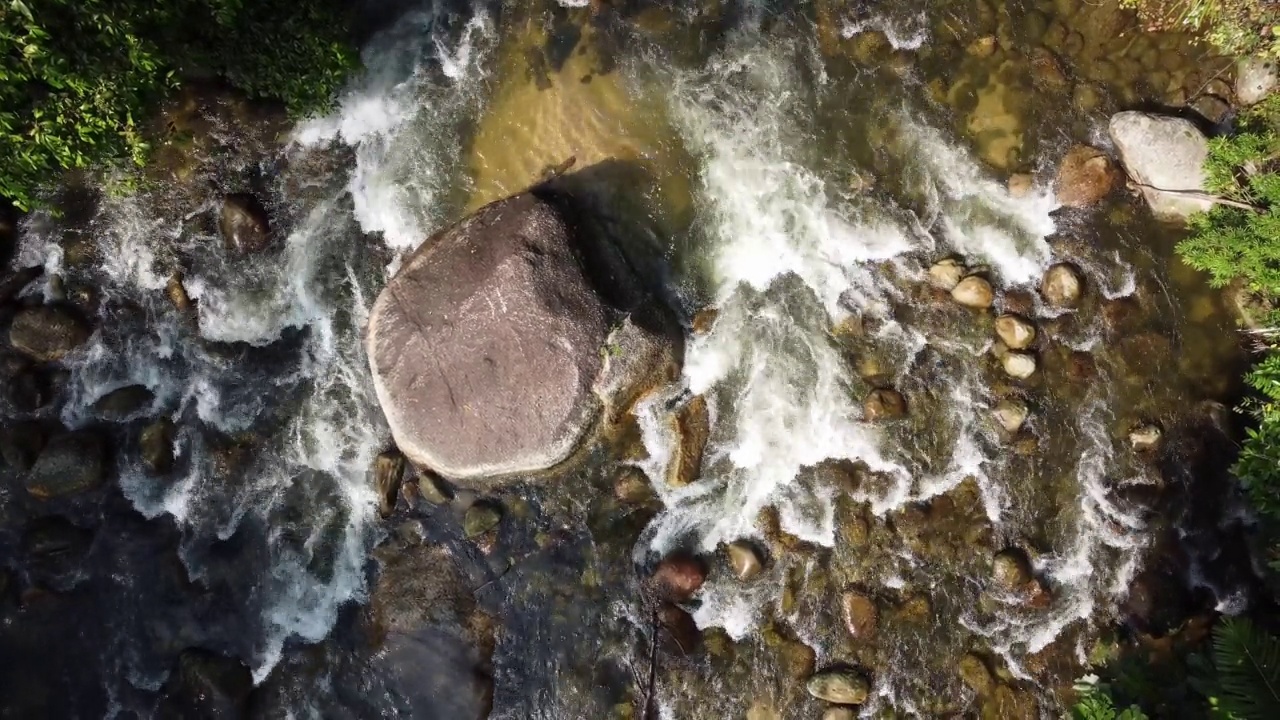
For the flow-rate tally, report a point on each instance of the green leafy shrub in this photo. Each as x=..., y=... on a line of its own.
x=78, y=76
x=1233, y=27
x=1247, y=665
x=1096, y=704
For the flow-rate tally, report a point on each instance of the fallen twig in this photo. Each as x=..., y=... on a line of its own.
x=1202, y=196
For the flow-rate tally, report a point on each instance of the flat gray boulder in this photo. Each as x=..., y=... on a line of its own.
x=493, y=350
x=1165, y=156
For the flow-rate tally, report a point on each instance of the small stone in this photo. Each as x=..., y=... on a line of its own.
x=860, y=614
x=432, y=488
x=915, y=609
x=1016, y=332
x=47, y=332
x=840, y=687
x=704, y=320
x=1020, y=185
x=156, y=446
x=388, y=473
x=1047, y=69
x=1011, y=413
x=692, y=425
x=870, y=367
x=1019, y=365
x=1011, y=569
x=946, y=274
x=983, y=47
x=1145, y=438
x=1212, y=108
x=71, y=463
x=481, y=517
x=839, y=712
x=974, y=292
x=973, y=671
x=1062, y=286
x=1085, y=176
x=884, y=404
x=122, y=403
x=632, y=486
x=679, y=576
x=176, y=291
x=1086, y=97
x=745, y=560
x=1256, y=78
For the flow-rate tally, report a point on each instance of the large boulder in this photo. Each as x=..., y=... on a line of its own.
x=1165, y=156
x=71, y=463
x=503, y=339
x=48, y=332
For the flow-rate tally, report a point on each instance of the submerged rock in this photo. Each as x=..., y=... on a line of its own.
x=1062, y=286
x=973, y=672
x=884, y=404
x=1165, y=156
x=388, y=473
x=1020, y=185
x=176, y=290
x=20, y=445
x=1145, y=438
x=244, y=225
x=946, y=274
x=860, y=615
x=1256, y=78
x=1011, y=413
x=693, y=428
x=974, y=292
x=679, y=576
x=1019, y=365
x=841, y=687
x=745, y=560
x=481, y=517
x=491, y=348
x=207, y=685
x=156, y=446
x=122, y=403
x=1015, y=332
x=1011, y=569
x=48, y=332
x=839, y=713
x=71, y=463
x=1085, y=176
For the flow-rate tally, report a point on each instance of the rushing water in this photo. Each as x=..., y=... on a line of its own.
x=762, y=141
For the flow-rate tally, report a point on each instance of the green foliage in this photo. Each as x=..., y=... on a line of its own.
x=1096, y=703
x=1247, y=661
x=78, y=76
x=1233, y=27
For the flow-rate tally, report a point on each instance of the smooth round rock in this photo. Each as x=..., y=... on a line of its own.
x=1018, y=365
x=841, y=687
x=1145, y=438
x=1011, y=413
x=884, y=404
x=860, y=615
x=1085, y=176
x=946, y=274
x=1011, y=569
x=1062, y=286
x=481, y=517
x=1256, y=78
x=122, y=403
x=1015, y=332
x=679, y=576
x=973, y=672
x=974, y=292
x=745, y=560
x=839, y=713
x=48, y=332
x=1164, y=153
x=71, y=463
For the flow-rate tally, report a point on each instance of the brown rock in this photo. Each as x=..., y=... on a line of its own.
x=884, y=404
x=244, y=225
x=48, y=332
x=973, y=671
x=122, y=403
x=1011, y=413
x=680, y=631
x=704, y=320
x=1047, y=69
x=632, y=486
x=860, y=614
x=1145, y=438
x=1085, y=176
x=1017, y=333
x=679, y=576
x=388, y=473
x=839, y=686
x=156, y=446
x=1011, y=569
x=176, y=291
x=946, y=274
x=1020, y=185
x=974, y=292
x=1019, y=365
x=1062, y=286
x=745, y=559
x=693, y=428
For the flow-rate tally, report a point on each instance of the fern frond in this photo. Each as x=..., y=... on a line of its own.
x=1247, y=661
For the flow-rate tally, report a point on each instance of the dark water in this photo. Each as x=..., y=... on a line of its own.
x=805, y=165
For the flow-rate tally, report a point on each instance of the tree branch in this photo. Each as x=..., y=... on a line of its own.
x=1202, y=196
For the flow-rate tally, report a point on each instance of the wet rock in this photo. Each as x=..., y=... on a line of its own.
x=1019, y=186
x=1015, y=332
x=1011, y=413
x=388, y=473
x=884, y=404
x=1086, y=97
x=481, y=517
x=693, y=428
x=244, y=225
x=1165, y=156
x=458, y=342
x=1018, y=365
x=433, y=488
x=48, y=332
x=974, y=292
x=679, y=576
x=1145, y=438
x=1062, y=286
x=71, y=463
x=974, y=673
x=18, y=281
x=745, y=560
x=1047, y=70
x=680, y=631
x=1256, y=78
x=24, y=384
x=983, y=47
x=860, y=615
x=1212, y=108
x=916, y=609
x=946, y=274
x=632, y=486
x=798, y=659
x=1011, y=569
x=156, y=446
x=1085, y=176
x=704, y=320
x=839, y=686
x=55, y=548
x=176, y=291
x=122, y=403
x=20, y=445
x=839, y=713
x=207, y=685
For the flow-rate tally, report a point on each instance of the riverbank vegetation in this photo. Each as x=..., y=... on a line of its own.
x=78, y=77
